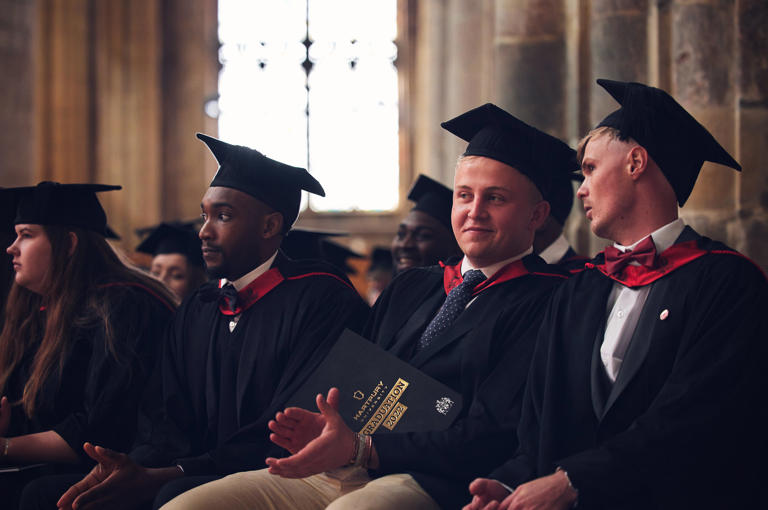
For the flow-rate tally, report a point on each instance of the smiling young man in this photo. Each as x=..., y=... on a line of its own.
x=648, y=384
x=470, y=324
x=239, y=346
x=424, y=237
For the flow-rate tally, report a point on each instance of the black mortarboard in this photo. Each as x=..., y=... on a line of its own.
x=176, y=237
x=432, y=198
x=109, y=233
x=381, y=258
x=276, y=184
x=304, y=243
x=561, y=195
x=494, y=133
x=7, y=209
x=674, y=139
x=68, y=205
x=337, y=255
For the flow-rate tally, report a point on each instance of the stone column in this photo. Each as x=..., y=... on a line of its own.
x=530, y=62
x=749, y=232
x=17, y=31
x=127, y=130
x=189, y=78
x=428, y=94
x=467, y=78
x=618, y=48
x=703, y=78
x=63, y=91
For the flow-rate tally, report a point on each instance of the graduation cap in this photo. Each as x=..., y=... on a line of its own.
x=381, y=259
x=337, y=255
x=494, y=133
x=7, y=215
x=7, y=209
x=433, y=198
x=305, y=243
x=109, y=233
x=276, y=184
x=68, y=205
x=561, y=195
x=674, y=139
x=175, y=237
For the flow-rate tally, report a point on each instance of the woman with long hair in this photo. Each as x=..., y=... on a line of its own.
x=81, y=333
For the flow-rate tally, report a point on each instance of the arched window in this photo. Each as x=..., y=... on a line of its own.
x=313, y=83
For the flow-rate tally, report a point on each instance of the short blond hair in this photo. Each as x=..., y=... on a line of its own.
x=535, y=195
x=611, y=132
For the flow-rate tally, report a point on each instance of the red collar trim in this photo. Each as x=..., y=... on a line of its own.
x=452, y=276
x=254, y=291
x=319, y=273
x=262, y=285
x=674, y=257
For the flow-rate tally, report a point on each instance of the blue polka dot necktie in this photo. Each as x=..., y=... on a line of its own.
x=452, y=307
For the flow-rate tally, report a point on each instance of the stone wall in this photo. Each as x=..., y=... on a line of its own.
x=110, y=92
x=540, y=59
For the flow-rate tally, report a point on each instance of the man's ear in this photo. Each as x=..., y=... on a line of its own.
x=637, y=158
x=540, y=214
x=72, y=243
x=273, y=225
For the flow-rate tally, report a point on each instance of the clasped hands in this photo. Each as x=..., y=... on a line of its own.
x=116, y=482
x=552, y=492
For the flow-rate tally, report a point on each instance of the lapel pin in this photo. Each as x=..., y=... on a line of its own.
x=664, y=314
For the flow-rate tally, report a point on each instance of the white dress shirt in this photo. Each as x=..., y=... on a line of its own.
x=491, y=270
x=625, y=304
x=247, y=278
x=244, y=281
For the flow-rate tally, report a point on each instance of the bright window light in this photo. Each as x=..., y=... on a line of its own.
x=312, y=83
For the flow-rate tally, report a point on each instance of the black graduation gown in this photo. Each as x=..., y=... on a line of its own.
x=684, y=424
x=485, y=355
x=572, y=261
x=220, y=388
x=97, y=397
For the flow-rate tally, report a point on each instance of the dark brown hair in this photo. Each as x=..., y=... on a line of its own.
x=69, y=293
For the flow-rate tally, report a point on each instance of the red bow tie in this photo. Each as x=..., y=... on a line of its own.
x=644, y=254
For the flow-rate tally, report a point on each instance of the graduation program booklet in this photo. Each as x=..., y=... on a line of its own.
x=379, y=392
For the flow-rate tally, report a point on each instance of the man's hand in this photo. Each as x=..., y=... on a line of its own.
x=293, y=428
x=552, y=492
x=330, y=449
x=116, y=482
x=484, y=492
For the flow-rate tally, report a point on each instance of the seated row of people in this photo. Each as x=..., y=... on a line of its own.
x=80, y=334
x=633, y=383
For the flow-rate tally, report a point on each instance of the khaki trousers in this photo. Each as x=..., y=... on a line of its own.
x=342, y=489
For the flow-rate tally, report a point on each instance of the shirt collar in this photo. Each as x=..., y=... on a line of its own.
x=493, y=268
x=553, y=253
x=247, y=278
x=662, y=238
